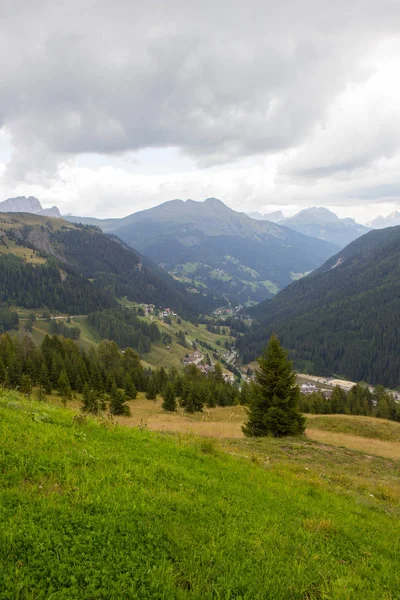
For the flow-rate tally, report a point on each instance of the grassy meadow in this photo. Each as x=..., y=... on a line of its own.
x=90, y=509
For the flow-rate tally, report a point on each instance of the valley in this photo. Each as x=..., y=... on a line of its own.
x=199, y=300
x=209, y=247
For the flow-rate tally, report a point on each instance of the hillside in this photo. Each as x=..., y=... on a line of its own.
x=90, y=510
x=70, y=268
x=323, y=224
x=345, y=317
x=208, y=246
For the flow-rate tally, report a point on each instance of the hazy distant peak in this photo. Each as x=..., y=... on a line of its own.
x=30, y=204
x=389, y=221
x=53, y=211
x=313, y=215
x=21, y=204
x=274, y=217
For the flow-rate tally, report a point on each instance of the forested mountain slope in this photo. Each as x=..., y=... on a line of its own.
x=77, y=269
x=345, y=317
x=210, y=247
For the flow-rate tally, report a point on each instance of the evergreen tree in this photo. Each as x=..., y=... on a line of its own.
x=117, y=403
x=25, y=385
x=44, y=379
x=151, y=393
x=129, y=388
x=90, y=402
x=64, y=387
x=169, y=402
x=273, y=407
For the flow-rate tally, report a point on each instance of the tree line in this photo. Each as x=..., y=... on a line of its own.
x=357, y=401
x=105, y=376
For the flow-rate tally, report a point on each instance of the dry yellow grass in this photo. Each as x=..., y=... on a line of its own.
x=226, y=423
x=355, y=442
x=214, y=422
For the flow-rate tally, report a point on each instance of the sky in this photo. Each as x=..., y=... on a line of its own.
x=107, y=108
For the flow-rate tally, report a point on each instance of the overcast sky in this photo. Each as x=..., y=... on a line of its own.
x=111, y=107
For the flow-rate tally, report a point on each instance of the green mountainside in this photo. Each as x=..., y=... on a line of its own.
x=51, y=263
x=208, y=246
x=345, y=317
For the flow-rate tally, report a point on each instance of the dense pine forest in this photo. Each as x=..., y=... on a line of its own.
x=125, y=328
x=52, y=285
x=343, y=319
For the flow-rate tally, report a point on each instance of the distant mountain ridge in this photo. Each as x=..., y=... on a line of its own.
x=275, y=216
x=208, y=246
x=344, y=318
x=324, y=224
x=391, y=220
x=30, y=204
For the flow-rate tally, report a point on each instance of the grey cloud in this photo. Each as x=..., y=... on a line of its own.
x=221, y=80
x=379, y=193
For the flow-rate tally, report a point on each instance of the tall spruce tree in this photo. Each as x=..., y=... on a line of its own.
x=129, y=388
x=117, y=403
x=273, y=404
x=151, y=392
x=169, y=400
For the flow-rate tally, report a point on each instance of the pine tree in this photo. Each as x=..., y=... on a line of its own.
x=169, y=402
x=273, y=406
x=64, y=387
x=129, y=388
x=117, y=403
x=44, y=379
x=151, y=393
x=25, y=385
x=189, y=404
x=90, y=402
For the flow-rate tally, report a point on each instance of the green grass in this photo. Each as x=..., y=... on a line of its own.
x=90, y=510
x=271, y=286
x=369, y=427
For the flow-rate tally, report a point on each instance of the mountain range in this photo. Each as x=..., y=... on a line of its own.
x=344, y=318
x=210, y=247
x=323, y=224
x=391, y=220
x=275, y=216
x=30, y=204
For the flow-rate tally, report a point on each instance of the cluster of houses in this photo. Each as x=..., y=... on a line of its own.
x=196, y=359
x=150, y=309
x=206, y=369
x=310, y=388
x=224, y=310
x=193, y=359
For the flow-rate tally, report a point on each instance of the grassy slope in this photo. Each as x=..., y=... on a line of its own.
x=159, y=356
x=368, y=427
x=91, y=511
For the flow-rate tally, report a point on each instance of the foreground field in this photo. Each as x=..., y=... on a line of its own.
x=94, y=510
